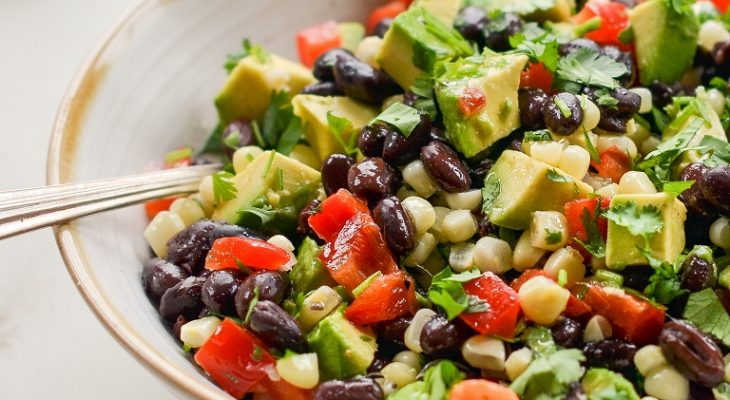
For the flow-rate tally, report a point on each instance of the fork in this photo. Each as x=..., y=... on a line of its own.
x=26, y=210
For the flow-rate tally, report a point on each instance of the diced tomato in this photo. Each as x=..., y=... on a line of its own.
x=314, y=41
x=390, y=10
x=229, y=252
x=614, y=164
x=576, y=308
x=471, y=101
x=632, y=318
x=387, y=298
x=503, y=306
x=358, y=252
x=283, y=390
x=154, y=207
x=481, y=389
x=234, y=358
x=574, y=211
x=722, y=5
x=614, y=19
x=334, y=212
x=537, y=76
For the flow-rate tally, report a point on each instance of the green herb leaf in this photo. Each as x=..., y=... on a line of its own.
x=540, y=340
x=339, y=127
x=564, y=109
x=522, y=7
x=436, y=383
x=447, y=291
x=178, y=155
x=595, y=157
x=664, y=285
x=423, y=86
x=490, y=192
x=642, y=221
x=658, y=163
x=232, y=140
x=588, y=67
x=706, y=312
x=676, y=188
x=290, y=137
x=606, y=100
x=538, y=136
x=266, y=214
x=252, y=304
x=549, y=377
x=400, y=116
x=588, y=26
x=538, y=44
x=553, y=237
x=719, y=149
x=278, y=113
x=246, y=50
x=555, y=176
x=223, y=187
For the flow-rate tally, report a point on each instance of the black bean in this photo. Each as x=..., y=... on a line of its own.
x=721, y=54
x=219, y=289
x=637, y=278
x=440, y=338
x=445, y=168
x=715, y=186
x=361, y=388
x=177, y=326
x=485, y=226
x=693, y=354
x=323, y=89
x=399, y=150
x=189, y=247
x=437, y=134
x=613, y=124
x=698, y=273
x=577, y=44
x=479, y=173
x=563, y=113
x=324, y=65
x=693, y=198
x=276, y=327
x=394, y=331
x=382, y=27
x=661, y=94
x=372, y=140
x=567, y=332
x=159, y=275
x=226, y=230
x=271, y=286
x=334, y=172
x=395, y=224
x=532, y=101
x=699, y=392
x=498, y=31
x=372, y=178
x=183, y=299
x=312, y=208
x=628, y=101
x=470, y=23
x=361, y=81
x=379, y=362
x=613, y=354
x=237, y=134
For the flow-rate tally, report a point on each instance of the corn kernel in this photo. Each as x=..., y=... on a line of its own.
x=608, y=191
x=437, y=228
x=484, y=353
x=282, y=242
x=569, y=260
x=493, y=255
x=421, y=212
x=597, y=329
x=720, y=233
x=717, y=100
x=459, y=225
x=548, y=230
x=461, y=256
x=425, y=245
x=318, y=305
x=650, y=144
x=711, y=33
x=646, y=99
x=412, y=337
x=591, y=116
x=649, y=359
x=547, y=152
x=161, y=229
x=300, y=370
x=408, y=357
x=667, y=384
x=542, y=300
x=243, y=156
x=517, y=363
x=399, y=373
x=188, y=210
x=636, y=182
x=575, y=160
x=196, y=332
x=526, y=255
x=469, y=200
x=206, y=192
x=368, y=49
x=415, y=175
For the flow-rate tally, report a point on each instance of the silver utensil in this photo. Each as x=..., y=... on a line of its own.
x=26, y=210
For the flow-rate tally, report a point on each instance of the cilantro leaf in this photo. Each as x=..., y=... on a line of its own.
x=290, y=136
x=447, y=292
x=595, y=244
x=719, y=148
x=435, y=385
x=553, y=237
x=595, y=157
x=223, y=187
x=588, y=67
x=538, y=136
x=247, y=49
x=658, y=163
x=540, y=340
x=550, y=376
x=490, y=192
x=705, y=311
x=275, y=116
x=564, y=109
x=664, y=285
x=606, y=100
x=588, y=26
x=555, y=176
x=644, y=221
x=538, y=44
x=339, y=127
x=400, y=116
x=676, y=188
x=521, y=7
x=266, y=213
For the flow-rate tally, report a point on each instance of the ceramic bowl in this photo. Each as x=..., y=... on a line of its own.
x=146, y=90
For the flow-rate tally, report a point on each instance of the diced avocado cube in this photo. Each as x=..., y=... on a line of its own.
x=247, y=92
x=561, y=11
x=622, y=248
x=415, y=42
x=271, y=192
x=308, y=273
x=496, y=79
x=518, y=185
x=444, y=10
x=606, y=384
x=665, y=40
x=343, y=350
x=313, y=111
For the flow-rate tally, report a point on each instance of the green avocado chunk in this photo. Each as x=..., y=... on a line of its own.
x=599, y=383
x=247, y=92
x=415, y=42
x=494, y=78
x=518, y=185
x=444, y=10
x=622, y=248
x=308, y=273
x=270, y=194
x=343, y=350
x=665, y=39
x=313, y=111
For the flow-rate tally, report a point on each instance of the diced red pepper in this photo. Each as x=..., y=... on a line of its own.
x=231, y=252
x=314, y=41
x=154, y=207
x=722, y=5
x=390, y=10
x=234, y=358
x=614, y=20
x=471, y=101
x=358, y=252
x=574, y=211
x=526, y=276
x=387, y=298
x=334, y=212
x=537, y=76
x=503, y=306
x=632, y=318
x=283, y=390
x=614, y=164
x=481, y=389
x=576, y=308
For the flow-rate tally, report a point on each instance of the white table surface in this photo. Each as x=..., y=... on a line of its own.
x=51, y=345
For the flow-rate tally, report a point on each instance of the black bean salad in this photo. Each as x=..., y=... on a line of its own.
x=464, y=199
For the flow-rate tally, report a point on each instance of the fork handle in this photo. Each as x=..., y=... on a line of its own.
x=26, y=210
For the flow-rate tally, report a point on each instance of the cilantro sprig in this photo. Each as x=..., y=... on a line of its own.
x=447, y=291
x=644, y=221
x=247, y=49
x=400, y=116
x=588, y=67
x=223, y=187
x=339, y=127
x=538, y=44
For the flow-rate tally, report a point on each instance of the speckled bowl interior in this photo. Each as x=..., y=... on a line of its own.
x=146, y=90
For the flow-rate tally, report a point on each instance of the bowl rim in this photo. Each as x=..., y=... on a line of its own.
x=66, y=129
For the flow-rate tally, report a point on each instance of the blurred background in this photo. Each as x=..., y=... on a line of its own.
x=51, y=345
